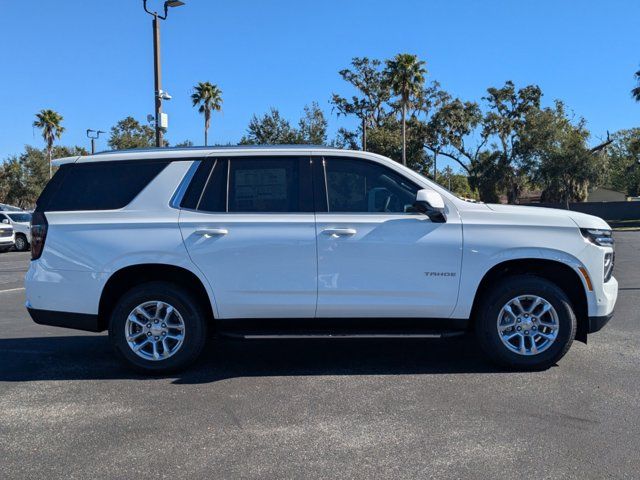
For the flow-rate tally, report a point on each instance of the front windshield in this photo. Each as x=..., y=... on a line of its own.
x=20, y=217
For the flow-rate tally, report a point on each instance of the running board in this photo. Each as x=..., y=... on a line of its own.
x=339, y=335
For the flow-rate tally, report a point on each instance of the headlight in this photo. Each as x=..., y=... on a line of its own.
x=603, y=238
x=609, y=260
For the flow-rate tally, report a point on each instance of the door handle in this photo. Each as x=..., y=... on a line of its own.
x=211, y=232
x=340, y=232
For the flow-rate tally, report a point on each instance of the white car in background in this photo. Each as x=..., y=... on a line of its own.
x=21, y=223
x=7, y=237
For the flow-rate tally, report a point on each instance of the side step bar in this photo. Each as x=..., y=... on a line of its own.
x=340, y=335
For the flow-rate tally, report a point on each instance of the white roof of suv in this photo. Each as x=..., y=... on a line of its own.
x=190, y=152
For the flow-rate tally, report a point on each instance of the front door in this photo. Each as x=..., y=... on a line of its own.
x=376, y=258
x=248, y=224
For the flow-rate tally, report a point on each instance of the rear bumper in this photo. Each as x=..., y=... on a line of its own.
x=596, y=323
x=77, y=321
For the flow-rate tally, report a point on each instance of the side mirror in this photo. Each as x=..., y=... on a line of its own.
x=431, y=204
x=4, y=220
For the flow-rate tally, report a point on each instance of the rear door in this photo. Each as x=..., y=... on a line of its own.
x=248, y=224
x=376, y=258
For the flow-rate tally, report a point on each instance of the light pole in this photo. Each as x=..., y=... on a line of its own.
x=93, y=135
x=158, y=93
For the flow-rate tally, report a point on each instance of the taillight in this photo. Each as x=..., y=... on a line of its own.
x=39, y=227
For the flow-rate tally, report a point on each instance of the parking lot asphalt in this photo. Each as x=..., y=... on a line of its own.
x=318, y=409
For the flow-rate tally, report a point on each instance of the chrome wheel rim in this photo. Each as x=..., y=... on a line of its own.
x=154, y=330
x=528, y=325
x=20, y=243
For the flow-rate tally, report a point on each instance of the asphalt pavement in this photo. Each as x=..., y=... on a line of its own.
x=319, y=409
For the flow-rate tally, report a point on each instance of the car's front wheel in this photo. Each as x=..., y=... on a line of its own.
x=526, y=322
x=158, y=327
x=21, y=244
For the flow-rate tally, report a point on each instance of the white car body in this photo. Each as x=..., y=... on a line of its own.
x=293, y=265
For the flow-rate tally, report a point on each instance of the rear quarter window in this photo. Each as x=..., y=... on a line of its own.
x=98, y=185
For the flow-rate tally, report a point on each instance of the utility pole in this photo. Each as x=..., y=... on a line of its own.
x=157, y=79
x=158, y=94
x=93, y=135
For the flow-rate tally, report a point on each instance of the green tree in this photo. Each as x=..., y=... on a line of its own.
x=371, y=105
x=312, y=127
x=273, y=129
x=503, y=125
x=405, y=75
x=636, y=91
x=565, y=167
x=270, y=129
x=50, y=122
x=624, y=161
x=209, y=98
x=387, y=140
x=128, y=133
x=458, y=183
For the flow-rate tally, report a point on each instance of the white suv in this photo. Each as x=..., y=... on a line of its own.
x=21, y=223
x=158, y=246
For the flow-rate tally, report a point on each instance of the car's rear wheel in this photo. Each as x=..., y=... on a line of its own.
x=21, y=244
x=158, y=327
x=526, y=322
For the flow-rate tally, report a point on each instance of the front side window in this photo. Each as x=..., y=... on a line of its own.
x=359, y=186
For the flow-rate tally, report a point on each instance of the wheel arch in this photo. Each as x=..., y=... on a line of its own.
x=559, y=273
x=127, y=277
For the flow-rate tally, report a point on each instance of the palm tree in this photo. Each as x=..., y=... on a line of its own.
x=636, y=91
x=209, y=97
x=405, y=74
x=50, y=123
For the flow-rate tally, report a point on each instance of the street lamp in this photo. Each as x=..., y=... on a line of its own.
x=158, y=94
x=93, y=134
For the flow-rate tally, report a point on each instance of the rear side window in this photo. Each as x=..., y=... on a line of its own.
x=251, y=185
x=265, y=185
x=98, y=185
x=208, y=188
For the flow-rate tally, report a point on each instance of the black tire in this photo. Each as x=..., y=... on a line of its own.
x=499, y=295
x=21, y=244
x=193, y=316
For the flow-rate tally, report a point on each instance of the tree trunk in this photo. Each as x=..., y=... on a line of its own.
x=435, y=167
x=50, y=153
x=404, y=134
x=206, y=127
x=364, y=134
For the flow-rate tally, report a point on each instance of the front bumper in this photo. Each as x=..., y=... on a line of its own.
x=596, y=323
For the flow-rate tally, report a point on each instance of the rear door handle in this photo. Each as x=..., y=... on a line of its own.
x=340, y=232
x=211, y=232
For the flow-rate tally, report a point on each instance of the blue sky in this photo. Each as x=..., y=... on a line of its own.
x=92, y=60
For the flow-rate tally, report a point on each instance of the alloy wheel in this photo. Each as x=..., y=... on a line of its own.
x=528, y=325
x=155, y=330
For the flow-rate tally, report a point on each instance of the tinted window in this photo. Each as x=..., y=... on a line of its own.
x=194, y=190
x=269, y=185
x=99, y=185
x=361, y=186
x=214, y=196
x=20, y=217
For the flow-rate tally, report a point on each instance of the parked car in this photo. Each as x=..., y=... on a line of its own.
x=158, y=246
x=21, y=223
x=7, y=237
